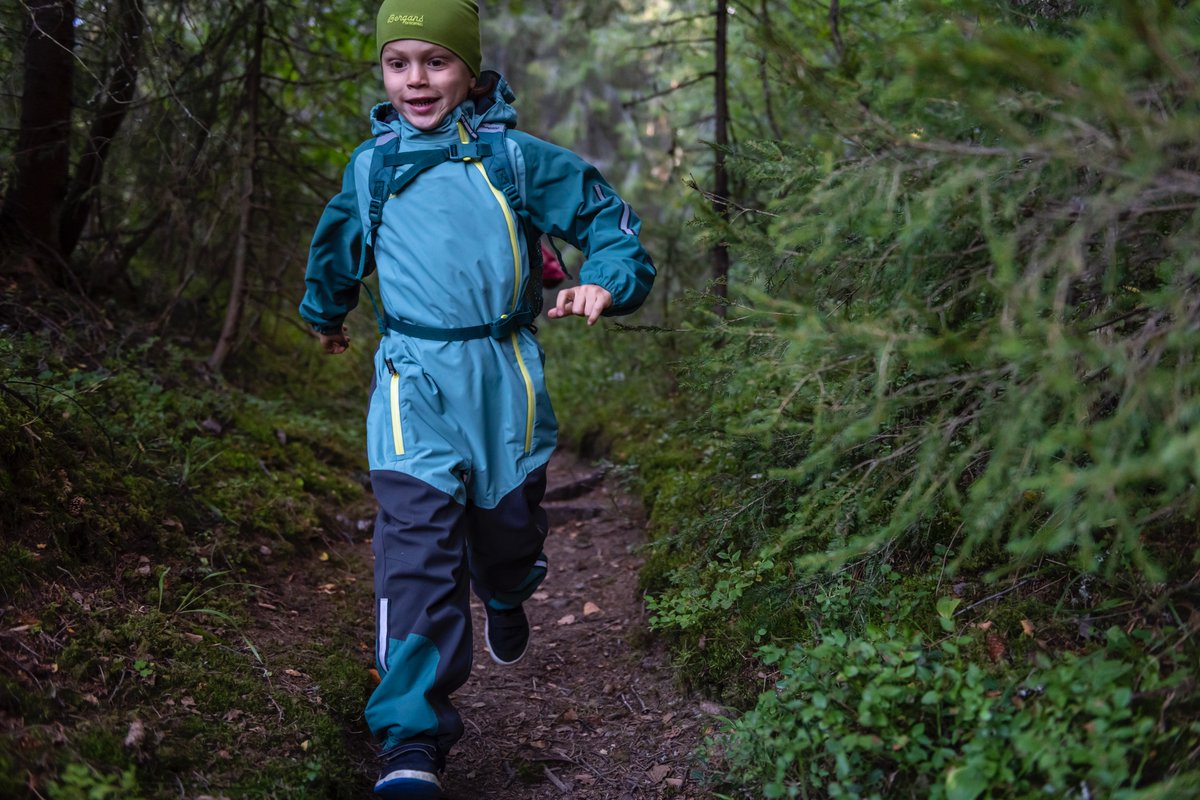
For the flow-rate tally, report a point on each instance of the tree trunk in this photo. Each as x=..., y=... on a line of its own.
x=720, y=254
x=237, y=291
x=118, y=93
x=835, y=28
x=29, y=219
x=765, y=22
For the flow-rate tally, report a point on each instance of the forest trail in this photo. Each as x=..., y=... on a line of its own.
x=591, y=713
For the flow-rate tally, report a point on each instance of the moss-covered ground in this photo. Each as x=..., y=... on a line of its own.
x=153, y=517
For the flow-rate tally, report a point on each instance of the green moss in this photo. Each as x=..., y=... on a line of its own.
x=24, y=701
x=12, y=782
x=344, y=684
x=101, y=741
x=18, y=564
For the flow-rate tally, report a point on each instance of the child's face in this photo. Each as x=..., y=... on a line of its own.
x=424, y=81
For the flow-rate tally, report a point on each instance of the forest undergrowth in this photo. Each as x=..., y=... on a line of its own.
x=140, y=500
x=924, y=494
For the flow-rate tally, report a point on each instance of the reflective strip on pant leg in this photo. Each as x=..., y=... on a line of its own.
x=381, y=629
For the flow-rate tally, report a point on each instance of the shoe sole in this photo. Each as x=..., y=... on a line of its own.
x=408, y=786
x=487, y=645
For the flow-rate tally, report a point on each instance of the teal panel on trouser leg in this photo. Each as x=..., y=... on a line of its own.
x=399, y=702
x=502, y=601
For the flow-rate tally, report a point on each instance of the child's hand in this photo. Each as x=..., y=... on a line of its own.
x=588, y=300
x=334, y=343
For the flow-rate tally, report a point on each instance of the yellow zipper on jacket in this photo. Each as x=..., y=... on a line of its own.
x=516, y=251
x=397, y=430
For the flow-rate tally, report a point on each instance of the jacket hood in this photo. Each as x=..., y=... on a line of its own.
x=496, y=109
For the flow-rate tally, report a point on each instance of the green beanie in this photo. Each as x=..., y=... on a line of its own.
x=453, y=24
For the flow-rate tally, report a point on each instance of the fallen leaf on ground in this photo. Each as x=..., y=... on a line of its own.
x=569, y=619
x=995, y=647
x=590, y=609
x=657, y=773
x=137, y=732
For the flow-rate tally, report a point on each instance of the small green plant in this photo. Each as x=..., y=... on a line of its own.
x=190, y=602
x=84, y=782
x=720, y=588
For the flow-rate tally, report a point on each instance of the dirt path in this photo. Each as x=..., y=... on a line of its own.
x=587, y=714
x=591, y=713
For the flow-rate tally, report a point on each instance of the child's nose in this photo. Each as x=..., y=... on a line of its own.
x=416, y=77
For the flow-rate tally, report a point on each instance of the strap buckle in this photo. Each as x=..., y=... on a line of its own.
x=501, y=327
x=507, y=323
x=375, y=208
x=471, y=151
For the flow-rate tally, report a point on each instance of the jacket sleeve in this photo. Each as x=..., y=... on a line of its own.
x=568, y=198
x=331, y=289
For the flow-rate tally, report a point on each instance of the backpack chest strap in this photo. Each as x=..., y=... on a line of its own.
x=498, y=329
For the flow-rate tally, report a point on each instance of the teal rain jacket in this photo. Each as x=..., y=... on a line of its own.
x=471, y=418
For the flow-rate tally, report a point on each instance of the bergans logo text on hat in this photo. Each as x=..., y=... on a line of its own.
x=415, y=20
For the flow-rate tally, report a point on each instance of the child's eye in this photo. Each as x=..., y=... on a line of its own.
x=437, y=63
x=396, y=64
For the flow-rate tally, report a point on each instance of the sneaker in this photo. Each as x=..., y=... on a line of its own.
x=506, y=634
x=410, y=771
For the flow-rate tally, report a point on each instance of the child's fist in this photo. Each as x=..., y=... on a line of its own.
x=334, y=343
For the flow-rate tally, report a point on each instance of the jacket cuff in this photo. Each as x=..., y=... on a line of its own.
x=326, y=329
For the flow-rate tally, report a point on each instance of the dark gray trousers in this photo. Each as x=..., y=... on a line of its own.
x=427, y=549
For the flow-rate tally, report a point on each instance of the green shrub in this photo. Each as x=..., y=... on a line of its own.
x=895, y=713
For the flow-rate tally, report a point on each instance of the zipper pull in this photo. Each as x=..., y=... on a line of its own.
x=391, y=367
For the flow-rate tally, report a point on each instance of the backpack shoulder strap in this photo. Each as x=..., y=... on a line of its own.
x=384, y=183
x=377, y=181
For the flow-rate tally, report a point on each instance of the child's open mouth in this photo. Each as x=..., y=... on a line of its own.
x=422, y=103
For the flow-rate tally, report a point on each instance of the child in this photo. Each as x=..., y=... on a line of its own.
x=459, y=428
